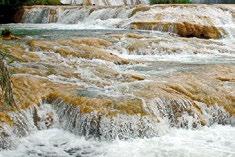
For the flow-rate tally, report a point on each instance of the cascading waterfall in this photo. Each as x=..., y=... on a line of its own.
x=165, y=19
x=118, y=2
x=103, y=81
x=105, y=2
x=94, y=125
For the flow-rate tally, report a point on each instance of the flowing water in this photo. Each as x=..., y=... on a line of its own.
x=121, y=2
x=216, y=140
x=140, y=92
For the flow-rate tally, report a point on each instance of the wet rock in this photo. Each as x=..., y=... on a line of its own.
x=7, y=35
x=139, y=8
x=10, y=37
x=184, y=29
x=137, y=46
x=84, y=48
x=18, y=53
x=134, y=35
x=5, y=118
x=106, y=100
x=203, y=87
x=130, y=106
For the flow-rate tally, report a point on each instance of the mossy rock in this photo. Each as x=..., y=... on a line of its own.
x=54, y=2
x=44, y=2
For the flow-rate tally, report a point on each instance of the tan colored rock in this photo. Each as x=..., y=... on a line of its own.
x=139, y=8
x=84, y=48
x=5, y=118
x=10, y=37
x=29, y=90
x=200, y=86
x=31, y=84
x=137, y=45
x=87, y=2
x=92, y=42
x=134, y=35
x=89, y=52
x=183, y=29
x=192, y=87
x=16, y=52
x=105, y=106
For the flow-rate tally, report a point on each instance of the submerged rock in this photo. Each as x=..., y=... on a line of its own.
x=92, y=48
x=18, y=53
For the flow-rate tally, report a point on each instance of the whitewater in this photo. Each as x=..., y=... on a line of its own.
x=216, y=141
x=138, y=65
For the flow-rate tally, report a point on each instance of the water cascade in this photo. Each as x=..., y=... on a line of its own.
x=102, y=81
x=105, y=2
x=199, y=21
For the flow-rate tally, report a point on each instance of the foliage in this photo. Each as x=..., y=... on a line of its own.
x=6, y=32
x=11, y=2
x=170, y=1
x=43, y=2
x=29, y=2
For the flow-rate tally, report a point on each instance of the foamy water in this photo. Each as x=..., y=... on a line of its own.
x=216, y=141
x=170, y=55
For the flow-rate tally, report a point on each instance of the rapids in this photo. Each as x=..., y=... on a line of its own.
x=121, y=81
x=214, y=141
x=202, y=21
x=105, y=2
x=132, y=2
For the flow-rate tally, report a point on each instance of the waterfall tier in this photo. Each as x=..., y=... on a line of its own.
x=101, y=75
x=105, y=2
x=185, y=20
x=118, y=85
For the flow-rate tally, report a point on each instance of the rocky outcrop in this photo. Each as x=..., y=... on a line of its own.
x=86, y=86
x=183, y=29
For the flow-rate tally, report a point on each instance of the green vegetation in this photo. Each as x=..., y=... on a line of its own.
x=29, y=2
x=170, y=1
x=6, y=32
x=43, y=2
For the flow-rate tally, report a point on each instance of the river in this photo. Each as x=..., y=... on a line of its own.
x=94, y=82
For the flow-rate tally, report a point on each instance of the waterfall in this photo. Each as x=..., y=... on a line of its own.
x=133, y=2
x=165, y=114
x=166, y=19
x=102, y=81
x=105, y=2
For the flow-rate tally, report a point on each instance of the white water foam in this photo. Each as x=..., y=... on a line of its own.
x=56, y=26
x=186, y=58
x=106, y=2
x=216, y=141
x=122, y=17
